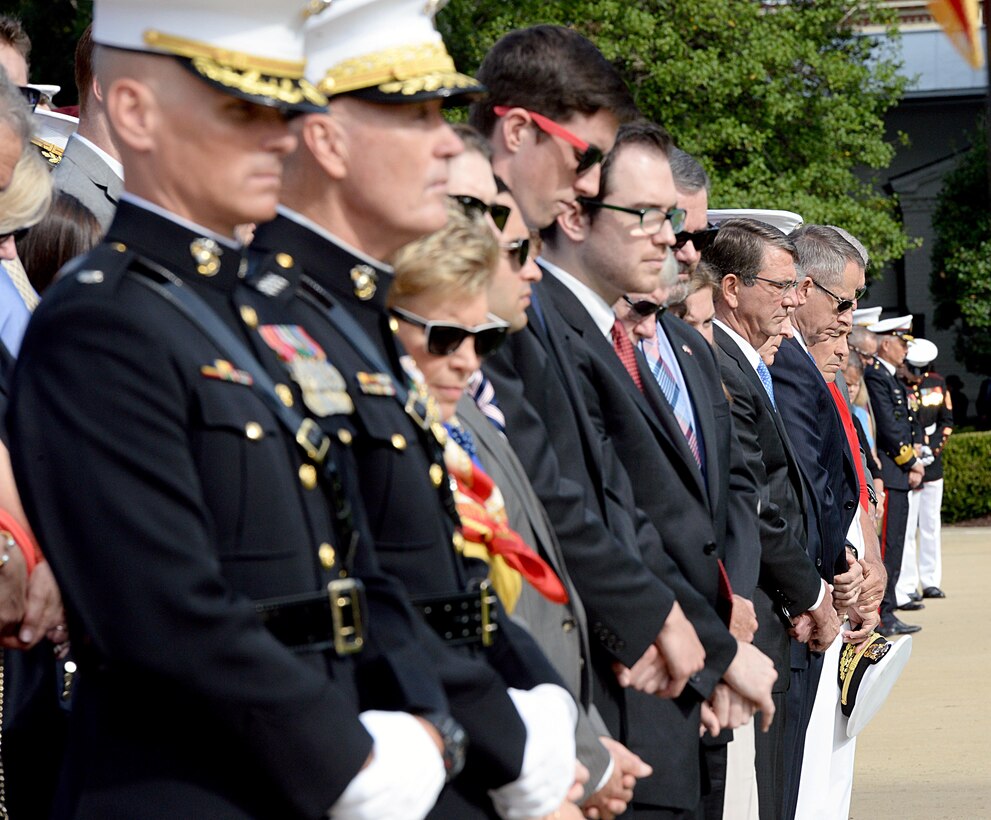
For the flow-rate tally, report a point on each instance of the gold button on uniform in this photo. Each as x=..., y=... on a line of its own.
x=253, y=430
x=399, y=442
x=308, y=476
x=120, y=247
x=283, y=260
x=459, y=541
x=393, y=324
x=327, y=556
x=249, y=316
x=344, y=436
x=436, y=474
x=284, y=394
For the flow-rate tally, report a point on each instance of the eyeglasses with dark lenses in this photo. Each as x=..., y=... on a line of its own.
x=644, y=307
x=651, y=219
x=473, y=205
x=17, y=235
x=699, y=239
x=587, y=153
x=443, y=338
x=842, y=305
x=518, y=247
x=31, y=95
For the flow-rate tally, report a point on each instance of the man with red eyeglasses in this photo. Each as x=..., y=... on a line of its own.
x=553, y=108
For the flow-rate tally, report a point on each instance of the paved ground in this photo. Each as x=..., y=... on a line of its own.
x=928, y=752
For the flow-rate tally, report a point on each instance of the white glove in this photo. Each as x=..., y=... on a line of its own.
x=404, y=777
x=550, y=715
x=927, y=457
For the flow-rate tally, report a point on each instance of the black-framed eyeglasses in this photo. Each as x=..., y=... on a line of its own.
x=473, y=205
x=17, y=235
x=651, y=219
x=520, y=248
x=587, y=154
x=842, y=305
x=31, y=95
x=644, y=307
x=784, y=287
x=699, y=239
x=443, y=338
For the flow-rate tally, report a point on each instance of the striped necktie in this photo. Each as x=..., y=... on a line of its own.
x=669, y=386
x=483, y=393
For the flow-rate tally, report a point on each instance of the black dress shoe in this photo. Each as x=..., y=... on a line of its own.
x=912, y=606
x=916, y=596
x=933, y=592
x=892, y=626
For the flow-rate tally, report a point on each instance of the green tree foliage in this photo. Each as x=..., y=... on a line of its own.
x=54, y=27
x=961, y=257
x=781, y=101
x=967, y=486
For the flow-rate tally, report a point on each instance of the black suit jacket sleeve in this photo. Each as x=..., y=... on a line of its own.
x=100, y=435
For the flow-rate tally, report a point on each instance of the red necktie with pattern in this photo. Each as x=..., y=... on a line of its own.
x=624, y=349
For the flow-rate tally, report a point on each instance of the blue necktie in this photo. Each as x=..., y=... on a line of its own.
x=464, y=439
x=765, y=379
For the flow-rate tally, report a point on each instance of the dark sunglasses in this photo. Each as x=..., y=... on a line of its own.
x=443, y=338
x=31, y=95
x=473, y=205
x=586, y=153
x=700, y=239
x=17, y=235
x=644, y=307
x=519, y=247
x=842, y=305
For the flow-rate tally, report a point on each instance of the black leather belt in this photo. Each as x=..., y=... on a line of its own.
x=314, y=622
x=462, y=619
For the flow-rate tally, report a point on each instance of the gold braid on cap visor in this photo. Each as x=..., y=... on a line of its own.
x=280, y=80
x=406, y=70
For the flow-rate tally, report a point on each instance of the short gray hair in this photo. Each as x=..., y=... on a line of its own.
x=689, y=175
x=14, y=111
x=824, y=252
x=740, y=247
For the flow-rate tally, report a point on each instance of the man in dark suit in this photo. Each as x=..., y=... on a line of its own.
x=634, y=616
x=746, y=318
x=201, y=517
x=619, y=242
x=901, y=469
x=833, y=269
x=90, y=169
x=344, y=215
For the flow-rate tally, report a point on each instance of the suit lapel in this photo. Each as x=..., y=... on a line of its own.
x=651, y=403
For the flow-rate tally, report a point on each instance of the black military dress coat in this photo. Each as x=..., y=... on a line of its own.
x=407, y=494
x=168, y=501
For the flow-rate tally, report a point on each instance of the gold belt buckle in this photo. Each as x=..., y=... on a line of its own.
x=346, y=596
x=316, y=452
x=489, y=624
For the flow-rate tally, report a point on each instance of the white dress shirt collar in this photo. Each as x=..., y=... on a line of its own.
x=114, y=164
x=748, y=349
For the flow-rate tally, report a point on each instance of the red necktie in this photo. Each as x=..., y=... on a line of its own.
x=852, y=441
x=624, y=349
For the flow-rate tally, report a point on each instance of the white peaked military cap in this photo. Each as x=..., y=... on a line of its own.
x=252, y=49
x=50, y=131
x=921, y=352
x=867, y=676
x=865, y=317
x=898, y=326
x=48, y=90
x=386, y=51
x=785, y=221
